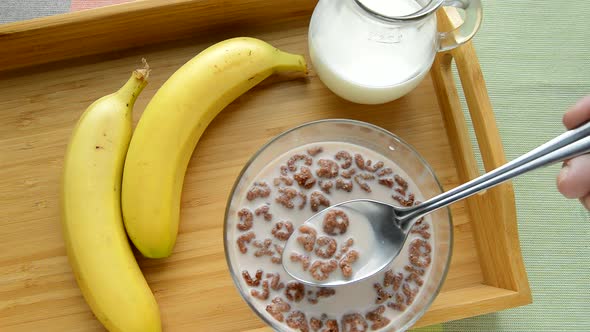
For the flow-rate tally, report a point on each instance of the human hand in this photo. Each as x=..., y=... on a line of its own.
x=574, y=178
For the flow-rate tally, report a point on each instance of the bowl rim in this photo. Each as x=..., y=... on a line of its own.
x=235, y=276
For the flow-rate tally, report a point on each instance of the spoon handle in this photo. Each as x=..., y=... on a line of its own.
x=568, y=145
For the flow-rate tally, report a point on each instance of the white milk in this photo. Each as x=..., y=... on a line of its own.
x=358, y=296
x=368, y=62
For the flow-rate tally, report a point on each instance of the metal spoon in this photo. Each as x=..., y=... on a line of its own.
x=391, y=224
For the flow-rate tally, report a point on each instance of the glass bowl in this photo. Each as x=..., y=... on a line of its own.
x=368, y=136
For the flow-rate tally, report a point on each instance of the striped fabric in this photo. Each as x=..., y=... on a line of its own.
x=87, y=4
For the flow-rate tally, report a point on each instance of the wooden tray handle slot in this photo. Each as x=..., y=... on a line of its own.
x=497, y=239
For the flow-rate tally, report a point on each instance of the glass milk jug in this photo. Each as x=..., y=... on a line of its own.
x=376, y=51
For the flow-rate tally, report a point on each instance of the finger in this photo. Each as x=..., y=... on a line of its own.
x=574, y=178
x=578, y=114
x=586, y=202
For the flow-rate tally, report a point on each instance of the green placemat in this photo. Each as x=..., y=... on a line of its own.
x=535, y=56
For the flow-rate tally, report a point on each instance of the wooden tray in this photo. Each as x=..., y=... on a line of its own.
x=45, y=86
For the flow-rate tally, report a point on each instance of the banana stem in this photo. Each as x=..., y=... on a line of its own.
x=138, y=80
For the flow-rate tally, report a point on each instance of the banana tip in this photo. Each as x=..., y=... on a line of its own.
x=144, y=72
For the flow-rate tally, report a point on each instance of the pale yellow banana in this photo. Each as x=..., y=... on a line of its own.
x=97, y=246
x=171, y=126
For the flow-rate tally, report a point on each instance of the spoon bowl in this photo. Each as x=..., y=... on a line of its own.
x=372, y=237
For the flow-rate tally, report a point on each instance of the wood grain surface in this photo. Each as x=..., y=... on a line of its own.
x=40, y=105
x=138, y=23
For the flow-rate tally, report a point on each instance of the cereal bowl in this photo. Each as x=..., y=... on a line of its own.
x=303, y=171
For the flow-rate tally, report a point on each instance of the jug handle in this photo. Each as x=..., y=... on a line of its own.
x=463, y=33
